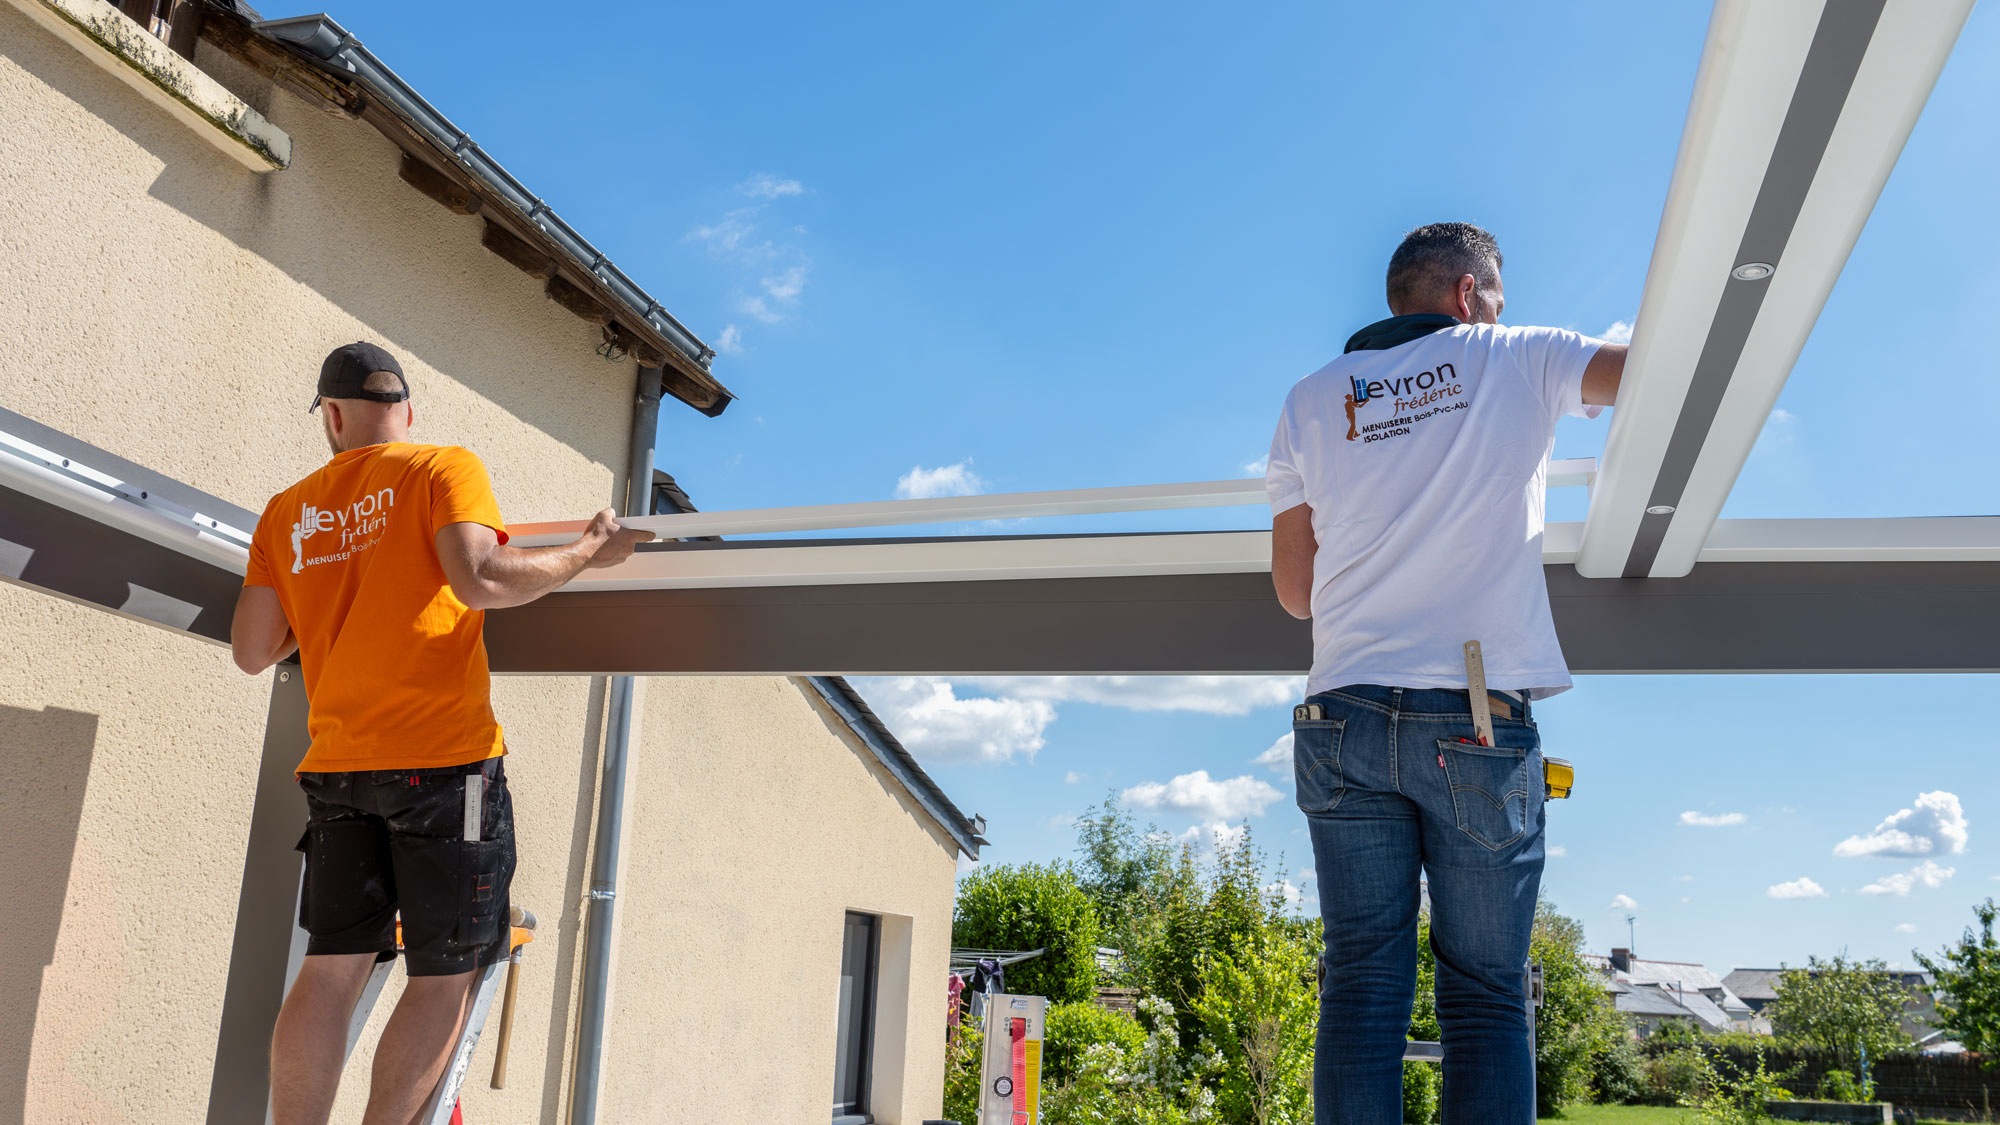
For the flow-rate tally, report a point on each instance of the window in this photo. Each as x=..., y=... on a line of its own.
x=857, y=1020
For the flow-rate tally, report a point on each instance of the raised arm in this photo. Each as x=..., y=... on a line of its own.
x=1602, y=376
x=487, y=574
x=1292, y=550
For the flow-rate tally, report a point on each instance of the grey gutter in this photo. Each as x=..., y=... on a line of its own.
x=862, y=720
x=324, y=39
x=594, y=1005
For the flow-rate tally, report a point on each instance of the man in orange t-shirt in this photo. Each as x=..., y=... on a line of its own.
x=377, y=569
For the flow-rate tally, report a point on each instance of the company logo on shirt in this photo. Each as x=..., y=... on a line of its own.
x=1423, y=389
x=351, y=529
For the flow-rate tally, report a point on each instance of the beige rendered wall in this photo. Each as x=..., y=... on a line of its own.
x=755, y=822
x=164, y=303
x=161, y=301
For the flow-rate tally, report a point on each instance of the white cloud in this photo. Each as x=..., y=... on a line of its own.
x=1209, y=695
x=966, y=865
x=731, y=234
x=1906, y=928
x=1703, y=820
x=763, y=185
x=1928, y=874
x=1780, y=431
x=1278, y=759
x=1936, y=825
x=1683, y=878
x=1205, y=797
x=1258, y=467
x=1216, y=834
x=930, y=719
x=730, y=342
x=1292, y=894
x=1062, y=822
x=945, y=480
x=786, y=285
x=1620, y=332
x=1685, y=899
x=1557, y=851
x=781, y=267
x=1800, y=887
x=1072, y=777
x=1622, y=902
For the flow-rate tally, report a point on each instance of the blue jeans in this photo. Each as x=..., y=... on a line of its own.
x=1388, y=787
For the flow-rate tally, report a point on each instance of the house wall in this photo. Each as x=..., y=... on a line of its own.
x=734, y=937
x=161, y=301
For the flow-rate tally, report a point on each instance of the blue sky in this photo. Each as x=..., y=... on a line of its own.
x=1048, y=246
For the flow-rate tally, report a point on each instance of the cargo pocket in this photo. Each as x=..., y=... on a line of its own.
x=1316, y=763
x=305, y=877
x=486, y=870
x=1489, y=790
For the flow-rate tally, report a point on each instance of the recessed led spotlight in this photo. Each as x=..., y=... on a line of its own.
x=1660, y=510
x=1753, y=271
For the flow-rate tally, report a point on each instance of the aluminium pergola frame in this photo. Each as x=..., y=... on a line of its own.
x=1800, y=110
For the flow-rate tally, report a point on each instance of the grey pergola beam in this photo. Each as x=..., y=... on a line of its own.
x=1724, y=617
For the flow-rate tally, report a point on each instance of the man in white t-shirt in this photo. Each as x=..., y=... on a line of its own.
x=1407, y=486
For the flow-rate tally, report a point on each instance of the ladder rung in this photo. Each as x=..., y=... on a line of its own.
x=1419, y=1051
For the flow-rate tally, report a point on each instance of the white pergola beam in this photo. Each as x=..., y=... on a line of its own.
x=1799, y=113
x=1576, y=472
x=971, y=559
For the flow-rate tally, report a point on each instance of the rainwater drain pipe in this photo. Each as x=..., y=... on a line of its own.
x=594, y=1006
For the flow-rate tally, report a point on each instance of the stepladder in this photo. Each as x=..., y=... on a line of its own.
x=441, y=1108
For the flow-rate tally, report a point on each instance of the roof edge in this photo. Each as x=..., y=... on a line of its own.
x=889, y=751
x=322, y=41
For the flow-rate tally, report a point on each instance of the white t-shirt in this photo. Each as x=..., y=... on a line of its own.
x=1427, y=506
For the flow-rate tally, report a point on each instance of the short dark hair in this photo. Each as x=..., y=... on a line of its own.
x=1432, y=258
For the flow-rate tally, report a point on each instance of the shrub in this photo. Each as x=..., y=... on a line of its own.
x=1733, y=1095
x=1073, y=1029
x=1840, y=1086
x=1675, y=1075
x=961, y=1076
x=1154, y=1085
x=1033, y=906
x=1259, y=1012
x=1618, y=1073
x=1423, y=1090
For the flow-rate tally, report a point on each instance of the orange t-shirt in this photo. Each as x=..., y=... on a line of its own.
x=395, y=666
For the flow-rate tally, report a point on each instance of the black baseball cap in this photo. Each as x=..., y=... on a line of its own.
x=345, y=374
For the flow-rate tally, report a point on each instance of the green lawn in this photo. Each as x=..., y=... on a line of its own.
x=1638, y=1115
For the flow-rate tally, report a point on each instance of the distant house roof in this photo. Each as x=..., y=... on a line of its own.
x=1707, y=996
x=1754, y=984
x=1650, y=1002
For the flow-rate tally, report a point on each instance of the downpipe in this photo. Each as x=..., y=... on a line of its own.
x=593, y=1008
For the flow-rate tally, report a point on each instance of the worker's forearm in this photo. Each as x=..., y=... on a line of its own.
x=255, y=660
x=511, y=576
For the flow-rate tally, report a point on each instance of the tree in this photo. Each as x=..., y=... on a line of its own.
x=1117, y=863
x=1033, y=906
x=1847, y=1008
x=1576, y=1021
x=1968, y=980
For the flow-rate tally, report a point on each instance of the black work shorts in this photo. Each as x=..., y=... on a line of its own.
x=382, y=841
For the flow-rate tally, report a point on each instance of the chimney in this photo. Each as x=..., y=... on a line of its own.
x=1621, y=960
